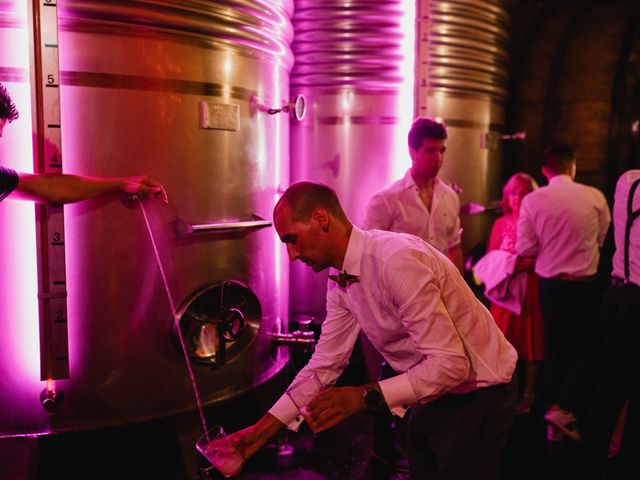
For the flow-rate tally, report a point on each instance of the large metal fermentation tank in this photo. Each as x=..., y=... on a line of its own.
x=462, y=78
x=178, y=90
x=349, y=66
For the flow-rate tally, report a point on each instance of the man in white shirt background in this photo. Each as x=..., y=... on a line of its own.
x=423, y=205
x=420, y=203
x=618, y=380
x=564, y=225
x=455, y=365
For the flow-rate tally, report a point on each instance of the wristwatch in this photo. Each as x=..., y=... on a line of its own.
x=373, y=399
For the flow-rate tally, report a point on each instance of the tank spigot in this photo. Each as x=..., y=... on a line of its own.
x=303, y=336
x=51, y=399
x=298, y=107
x=295, y=338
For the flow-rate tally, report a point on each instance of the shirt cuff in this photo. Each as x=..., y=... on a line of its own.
x=287, y=412
x=398, y=394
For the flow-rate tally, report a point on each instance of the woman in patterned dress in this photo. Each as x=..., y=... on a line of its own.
x=523, y=331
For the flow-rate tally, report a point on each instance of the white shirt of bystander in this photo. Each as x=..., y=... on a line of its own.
x=620, y=205
x=399, y=208
x=564, y=225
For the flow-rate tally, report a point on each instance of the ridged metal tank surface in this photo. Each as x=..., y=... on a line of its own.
x=178, y=90
x=462, y=79
x=347, y=64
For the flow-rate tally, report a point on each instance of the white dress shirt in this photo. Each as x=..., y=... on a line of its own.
x=418, y=312
x=564, y=225
x=620, y=224
x=399, y=208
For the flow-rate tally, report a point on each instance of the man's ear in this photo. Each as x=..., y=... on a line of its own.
x=321, y=217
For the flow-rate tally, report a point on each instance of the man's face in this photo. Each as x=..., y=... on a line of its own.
x=304, y=241
x=427, y=160
x=3, y=122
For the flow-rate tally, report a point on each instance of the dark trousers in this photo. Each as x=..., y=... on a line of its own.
x=570, y=315
x=618, y=380
x=462, y=436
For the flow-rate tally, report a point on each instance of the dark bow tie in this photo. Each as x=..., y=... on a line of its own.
x=343, y=278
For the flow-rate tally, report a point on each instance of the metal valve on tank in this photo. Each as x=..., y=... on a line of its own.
x=51, y=399
x=303, y=336
x=298, y=107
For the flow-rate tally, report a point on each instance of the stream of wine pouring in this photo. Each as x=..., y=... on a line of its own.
x=175, y=319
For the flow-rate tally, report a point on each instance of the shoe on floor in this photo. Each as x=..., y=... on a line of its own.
x=564, y=421
x=391, y=457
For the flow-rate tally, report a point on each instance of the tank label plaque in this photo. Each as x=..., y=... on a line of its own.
x=219, y=116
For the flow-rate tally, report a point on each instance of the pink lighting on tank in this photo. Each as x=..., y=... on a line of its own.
x=406, y=89
x=18, y=276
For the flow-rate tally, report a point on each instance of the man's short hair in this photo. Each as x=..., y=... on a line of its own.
x=7, y=108
x=559, y=158
x=425, y=127
x=304, y=197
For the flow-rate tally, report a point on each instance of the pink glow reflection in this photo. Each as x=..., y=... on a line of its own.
x=18, y=279
x=405, y=107
x=19, y=347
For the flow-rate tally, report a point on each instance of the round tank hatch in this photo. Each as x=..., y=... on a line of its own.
x=217, y=322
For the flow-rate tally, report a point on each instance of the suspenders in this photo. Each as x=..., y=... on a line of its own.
x=631, y=216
